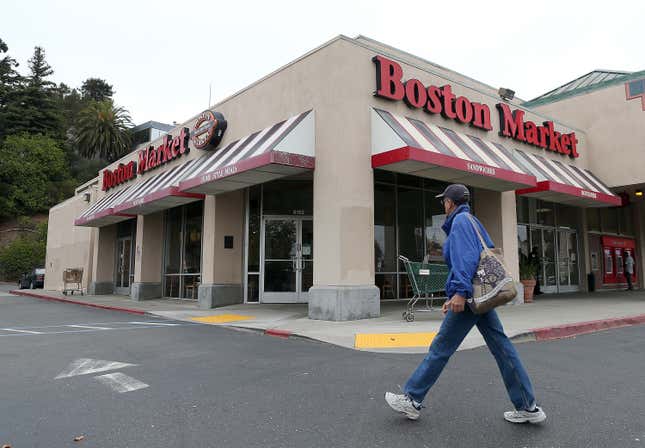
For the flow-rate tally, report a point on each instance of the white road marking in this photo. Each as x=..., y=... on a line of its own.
x=89, y=327
x=120, y=382
x=85, y=366
x=154, y=323
x=22, y=331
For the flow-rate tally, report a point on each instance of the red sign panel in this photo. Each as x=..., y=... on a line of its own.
x=123, y=173
x=170, y=149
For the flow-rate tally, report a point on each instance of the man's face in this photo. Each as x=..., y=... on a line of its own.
x=448, y=205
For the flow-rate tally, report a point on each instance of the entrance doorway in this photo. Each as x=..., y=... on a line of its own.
x=287, y=259
x=124, y=267
x=557, y=250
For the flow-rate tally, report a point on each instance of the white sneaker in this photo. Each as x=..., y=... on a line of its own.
x=403, y=404
x=525, y=416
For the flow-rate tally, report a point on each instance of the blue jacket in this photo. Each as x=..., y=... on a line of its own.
x=461, y=251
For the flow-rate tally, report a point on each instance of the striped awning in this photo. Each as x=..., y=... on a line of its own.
x=283, y=149
x=102, y=212
x=158, y=192
x=564, y=183
x=407, y=145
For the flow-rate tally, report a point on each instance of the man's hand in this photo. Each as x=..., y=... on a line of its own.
x=455, y=304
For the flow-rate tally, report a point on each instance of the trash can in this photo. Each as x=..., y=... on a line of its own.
x=591, y=282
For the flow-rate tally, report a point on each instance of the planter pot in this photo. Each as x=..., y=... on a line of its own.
x=529, y=285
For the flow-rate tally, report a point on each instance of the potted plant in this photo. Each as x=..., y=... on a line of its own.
x=528, y=271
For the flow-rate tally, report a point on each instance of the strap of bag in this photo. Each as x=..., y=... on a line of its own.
x=476, y=227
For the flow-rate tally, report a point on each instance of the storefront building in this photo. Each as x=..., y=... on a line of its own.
x=306, y=186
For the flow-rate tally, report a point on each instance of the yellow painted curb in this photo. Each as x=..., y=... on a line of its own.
x=393, y=340
x=222, y=318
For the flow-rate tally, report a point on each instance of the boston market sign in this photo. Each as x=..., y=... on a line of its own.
x=441, y=100
x=207, y=133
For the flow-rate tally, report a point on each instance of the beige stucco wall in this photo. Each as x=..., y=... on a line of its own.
x=68, y=246
x=148, y=252
x=615, y=128
x=223, y=216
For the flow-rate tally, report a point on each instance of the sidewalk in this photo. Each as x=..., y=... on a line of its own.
x=389, y=333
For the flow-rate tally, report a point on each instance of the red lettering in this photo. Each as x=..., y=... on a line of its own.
x=543, y=132
x=415, y=93
x=464, y=110
x=554, y=137
x=184, y=138
x=175, y=147
x=388, y=79
x=512, y=123
x=565, y=142
x=531, y=133
x=574, y=142
x=143, y=158
x=482, y=116
x=448, y=102
x=434, y=100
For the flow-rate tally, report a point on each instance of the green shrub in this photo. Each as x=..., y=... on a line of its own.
x=24, y=254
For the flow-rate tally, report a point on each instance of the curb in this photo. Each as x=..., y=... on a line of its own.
x=278, y=333
x=77, y=302
x=578, y=328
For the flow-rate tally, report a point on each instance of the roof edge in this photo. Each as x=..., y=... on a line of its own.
x=584, y=90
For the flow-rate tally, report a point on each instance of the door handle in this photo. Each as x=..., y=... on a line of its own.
x=294, y=263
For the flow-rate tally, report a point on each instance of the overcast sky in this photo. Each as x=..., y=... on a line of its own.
x=161, y=56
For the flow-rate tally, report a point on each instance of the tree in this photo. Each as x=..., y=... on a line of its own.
x=96, y=89
x=102, y=131
x=24, y=254
x=34, y=175
x=10, y=79
x=33, y=107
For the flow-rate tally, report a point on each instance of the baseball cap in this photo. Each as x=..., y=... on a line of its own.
x=457, y=192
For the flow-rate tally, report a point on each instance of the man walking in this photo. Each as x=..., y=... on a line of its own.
x=629, y=269
x=461, y=252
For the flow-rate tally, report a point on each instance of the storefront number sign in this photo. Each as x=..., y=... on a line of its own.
x=441, y=100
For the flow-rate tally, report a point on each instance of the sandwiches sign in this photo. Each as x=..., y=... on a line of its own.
x=441, y=100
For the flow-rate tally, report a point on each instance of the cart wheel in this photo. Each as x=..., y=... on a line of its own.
x=71, y=293
x=64, y=293
x=405, y=315
x=409, y=317
x=82, y=293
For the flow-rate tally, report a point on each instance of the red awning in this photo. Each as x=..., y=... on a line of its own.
x=410, y=146
x=281, y=150
x=102, y=213
x=564, y=183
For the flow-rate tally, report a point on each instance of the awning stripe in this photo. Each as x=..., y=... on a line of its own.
x=581, y=180
x=466, y=149
x=587, y=175
x=436, y=145
x=559, y=171
x=498, y=151
x=456, y=150
x=398, y=128
x=531, y=166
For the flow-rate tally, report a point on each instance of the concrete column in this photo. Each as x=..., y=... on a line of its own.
x=103, y=261
x=148, y=256
x=497, y=213
x=584, y=260
x=343, y=220
x=222, y=267
x=639, y=230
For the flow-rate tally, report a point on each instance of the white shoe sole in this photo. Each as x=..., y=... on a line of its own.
x=536, y=419
x=410, y=416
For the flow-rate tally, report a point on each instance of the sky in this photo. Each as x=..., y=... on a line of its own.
x=162, y=56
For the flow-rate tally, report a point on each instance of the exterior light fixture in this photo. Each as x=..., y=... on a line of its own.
x=506, y=94
x=86, y=196
x=638, y=193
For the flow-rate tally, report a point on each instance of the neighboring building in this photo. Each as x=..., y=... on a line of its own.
x=149, y=131
x=326, y=172
x=610, y=107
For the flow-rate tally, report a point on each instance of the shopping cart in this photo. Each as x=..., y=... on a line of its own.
x=427, y=280
x=72, y=276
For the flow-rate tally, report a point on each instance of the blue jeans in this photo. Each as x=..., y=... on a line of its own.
x=453, y=330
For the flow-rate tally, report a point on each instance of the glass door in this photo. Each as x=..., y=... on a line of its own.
x=287, y=259
x=123, y=266
x=568, y=278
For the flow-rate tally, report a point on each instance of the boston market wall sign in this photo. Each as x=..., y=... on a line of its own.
x=441, y=100
x=207, y=133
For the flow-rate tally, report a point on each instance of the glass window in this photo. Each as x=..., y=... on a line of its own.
x=288, y=197
x=593, y=219
x=193, y=238
x=567, y=216
x=545, y=213
x=411, y=224
x=609, y=220
x=384, y=176
x=409, y=181
x=253, y=288
x=434, y=234
x=384, y=228
x=173, y=240
x=523, y=241
x=522, y=208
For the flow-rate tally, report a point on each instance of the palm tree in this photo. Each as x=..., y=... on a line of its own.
x=102, y=131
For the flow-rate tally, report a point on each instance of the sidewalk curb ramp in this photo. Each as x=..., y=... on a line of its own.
x=77, y=302
x=578, y=328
